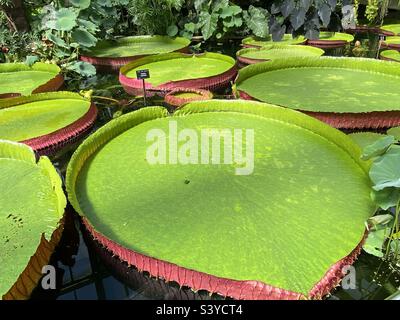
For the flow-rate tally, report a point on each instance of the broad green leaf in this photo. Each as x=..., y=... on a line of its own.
x=374, y=243
x=65, y=19
x=303, y=169
x=257, y=21
x=81, y=4
x=84, y=38
x=378, y=148
x=209, y=24
x=395, y=132
x=276, y=51
x=176, y=66
x=31, y=60
x=386, y=198
x=382, y=219
x=31, y=205
x=385, y=173
x=83, y=68
x=364, y=139
x=374, y=84
x=137, y=46
x=20, y=78
x=172, y=30
x=56, y=40
x=30, y=117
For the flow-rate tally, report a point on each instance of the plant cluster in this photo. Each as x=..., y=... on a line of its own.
x=384, y=237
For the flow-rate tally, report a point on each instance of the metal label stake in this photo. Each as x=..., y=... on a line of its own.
x=142, y=75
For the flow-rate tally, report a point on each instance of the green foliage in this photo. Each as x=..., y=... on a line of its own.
x=383, y=239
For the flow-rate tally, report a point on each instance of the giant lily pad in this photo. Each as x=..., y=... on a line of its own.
x=119, y=52
x=273, y=52
x=260, y=42
x=344, y=92
x=173, y=70
x=392, y=43
x=46, y=121
x=391, y=29
x=281, y=230
x=32, y=204
x=392, y=55
x=20, y=79
x=331, y=40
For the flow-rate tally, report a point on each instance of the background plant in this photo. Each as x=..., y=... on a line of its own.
x=384, y=237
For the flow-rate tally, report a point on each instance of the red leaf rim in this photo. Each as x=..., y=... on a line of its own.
x=52, y=85
x=213, y=83
x=53, y=142
x=363, y=28
x=175, y=101
x=31, y=275
x=326, y=44
x=237, y=289
x=370, y=120
x=242, y=61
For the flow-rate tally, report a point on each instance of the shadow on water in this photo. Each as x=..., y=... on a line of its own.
x=86, y=271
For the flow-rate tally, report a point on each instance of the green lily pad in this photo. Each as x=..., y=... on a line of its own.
x=20, y=78
x=137, y=46
x=335, y=36
x=393, y=28
x=392, y=40
x=32, y=203
x=272, y=52
x=391, y=54
x=324, y=84
x=286, y=223
x=25, y=118
x=176, y=67
x=364, y=139
x=259, y=42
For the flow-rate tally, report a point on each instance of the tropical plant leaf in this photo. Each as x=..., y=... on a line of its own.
x=374, y=243
x=84, y=38
x=364, y=139
x=385, y=173
x=377, y=148
x=65, y=19
x=289, y=146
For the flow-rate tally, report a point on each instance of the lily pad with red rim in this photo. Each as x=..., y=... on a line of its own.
x=21, y=79
x=347, y=93
x=209, y=71
x=328, y=40
x=275, y=51
x=32, y=205
x=48, y=121
x=260, y=42
x=284, y=231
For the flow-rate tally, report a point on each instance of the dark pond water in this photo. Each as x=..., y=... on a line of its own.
x=85, y=271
